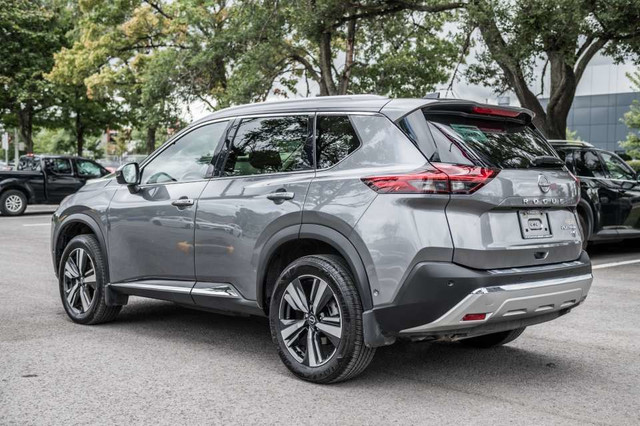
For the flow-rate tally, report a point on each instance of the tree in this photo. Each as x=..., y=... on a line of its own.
x=564, y=35
x=31, y=33
x=632, y=120
x=123, y=55
x=391, y=48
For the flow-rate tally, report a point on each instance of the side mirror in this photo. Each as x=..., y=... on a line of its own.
x=128, y=174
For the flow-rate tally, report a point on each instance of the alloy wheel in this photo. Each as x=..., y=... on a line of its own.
x=79, y=281
x=13, y=203
x=310, y=320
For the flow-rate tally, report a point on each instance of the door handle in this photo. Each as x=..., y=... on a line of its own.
x=281, y=196
x=182, y=202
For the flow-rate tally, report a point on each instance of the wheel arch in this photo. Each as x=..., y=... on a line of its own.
x=16, y=185
x=584, y=208
x=298, y=241
x=71, y=226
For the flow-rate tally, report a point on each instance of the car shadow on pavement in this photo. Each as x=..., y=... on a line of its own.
x=449, y=364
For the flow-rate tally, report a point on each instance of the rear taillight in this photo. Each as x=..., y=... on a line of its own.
x=441, y=179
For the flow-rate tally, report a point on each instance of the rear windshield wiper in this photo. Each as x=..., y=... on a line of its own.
x=547, y=161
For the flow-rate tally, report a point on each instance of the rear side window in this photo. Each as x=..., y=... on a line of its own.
x=270, y=145
x=58, y=166
x=335, y=139
x=587, y=164
x=31, y=164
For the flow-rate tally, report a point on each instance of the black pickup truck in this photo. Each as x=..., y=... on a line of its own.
x=44, y=179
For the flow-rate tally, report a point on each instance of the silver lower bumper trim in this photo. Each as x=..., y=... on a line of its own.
x=510, y=302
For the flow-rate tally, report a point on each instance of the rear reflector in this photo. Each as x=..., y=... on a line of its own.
x=474, y=317
x=441, y=179
x=495, y=111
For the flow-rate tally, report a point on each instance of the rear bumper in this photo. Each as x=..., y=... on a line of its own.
x=436, y=296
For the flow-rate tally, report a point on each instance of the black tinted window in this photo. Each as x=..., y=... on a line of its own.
x=270, y=145
x=335, y=139
x=502, y=144
x=587, y=164
x=617, y=168
x=88, y=168
x=58, y=166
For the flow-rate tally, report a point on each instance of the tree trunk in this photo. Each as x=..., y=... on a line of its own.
x=151, y=139
x=79, y=134
x=25, y=123
x=350, y=53
x=326, y=62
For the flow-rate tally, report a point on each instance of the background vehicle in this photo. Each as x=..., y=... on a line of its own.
x=44, y=179
x=350, y=222
x=610, y=191
x=4, y=167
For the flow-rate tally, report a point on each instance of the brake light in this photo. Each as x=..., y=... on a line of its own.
x=495, y=111
x=442, y=179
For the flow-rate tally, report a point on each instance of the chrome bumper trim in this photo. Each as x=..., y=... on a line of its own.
x=511, y=301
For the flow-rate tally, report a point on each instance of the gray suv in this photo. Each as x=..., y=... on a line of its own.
x=350, y=222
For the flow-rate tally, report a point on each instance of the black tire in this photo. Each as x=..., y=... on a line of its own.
x=13, y=203
x=350, y=356
x=584, y=229
x=494, y=339
x=96, y=311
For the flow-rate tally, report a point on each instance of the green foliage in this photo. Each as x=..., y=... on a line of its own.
x=517, y=36
x=635, y=165
x=572, y=135
x=31, y=33
x=632, y=119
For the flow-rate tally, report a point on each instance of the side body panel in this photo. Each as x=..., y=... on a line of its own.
x=148, y=236
x=235, y=219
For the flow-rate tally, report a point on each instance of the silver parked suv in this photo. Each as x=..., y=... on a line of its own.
x=350, y=222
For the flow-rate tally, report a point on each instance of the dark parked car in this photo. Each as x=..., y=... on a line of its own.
x=609, y=208
x=349, y=221
x=44, y=179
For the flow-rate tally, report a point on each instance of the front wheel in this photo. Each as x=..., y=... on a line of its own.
x=82, y=277
x=13, y=203
x=316, y=320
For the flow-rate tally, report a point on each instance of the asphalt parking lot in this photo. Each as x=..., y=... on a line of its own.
x=163, y=364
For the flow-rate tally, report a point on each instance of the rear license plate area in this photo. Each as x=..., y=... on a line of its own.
x=534, y=224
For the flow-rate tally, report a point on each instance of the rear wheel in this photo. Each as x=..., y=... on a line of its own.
x=494, y=339
x=82, y=277
x=13, y=203
x=316, y=320
x=584, y=228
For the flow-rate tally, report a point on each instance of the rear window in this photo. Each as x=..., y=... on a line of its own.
x=494, y=143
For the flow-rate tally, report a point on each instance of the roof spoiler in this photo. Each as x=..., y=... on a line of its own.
x=477, y=109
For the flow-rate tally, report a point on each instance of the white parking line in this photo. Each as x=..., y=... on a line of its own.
x=36, y=224
x=612, y=264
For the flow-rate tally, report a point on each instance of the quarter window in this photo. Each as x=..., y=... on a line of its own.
x=270, y=145
x=588, y=164
x=186, y=159
x=335, y=139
